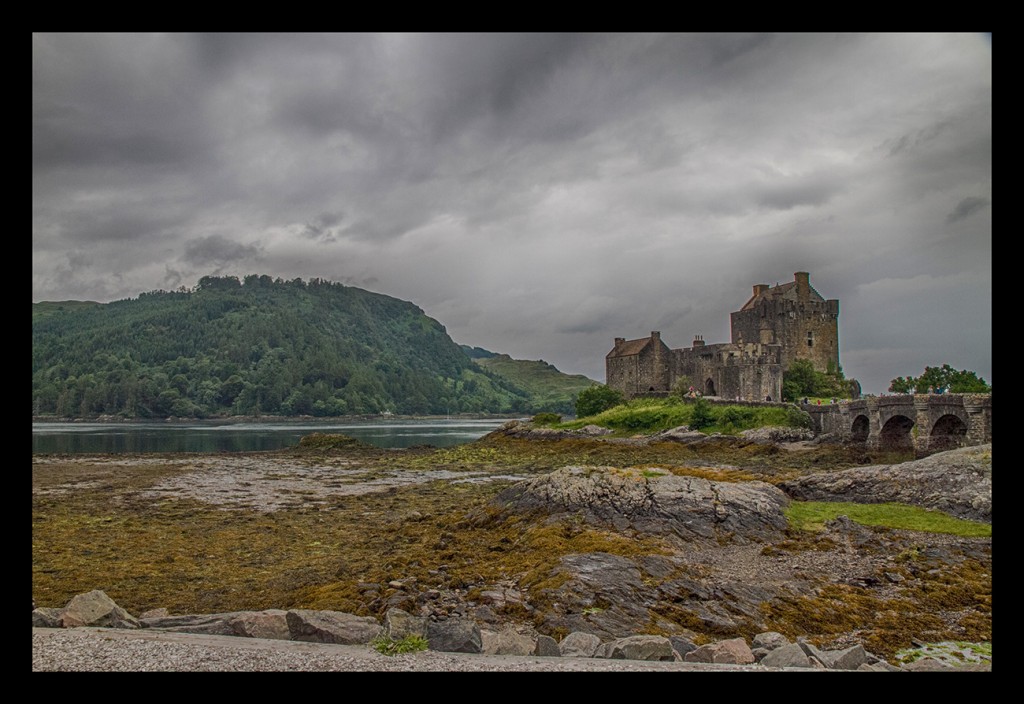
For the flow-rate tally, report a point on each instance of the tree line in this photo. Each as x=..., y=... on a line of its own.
x=256, y=346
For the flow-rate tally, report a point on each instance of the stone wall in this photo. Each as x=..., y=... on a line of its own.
x=750, y=371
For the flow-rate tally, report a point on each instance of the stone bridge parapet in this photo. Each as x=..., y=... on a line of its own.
x=926, y=423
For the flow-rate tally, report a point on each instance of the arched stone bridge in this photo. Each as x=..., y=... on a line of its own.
x=926, y=423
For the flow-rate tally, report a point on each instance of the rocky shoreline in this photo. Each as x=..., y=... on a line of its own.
x=95, y=612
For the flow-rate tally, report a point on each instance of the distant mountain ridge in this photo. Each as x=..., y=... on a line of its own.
x=549, y=388
x=263, y=346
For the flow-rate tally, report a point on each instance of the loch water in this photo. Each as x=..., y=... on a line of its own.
x=223, y=436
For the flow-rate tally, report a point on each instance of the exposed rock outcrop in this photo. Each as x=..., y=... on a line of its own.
x=652, y=502
x=957, y=482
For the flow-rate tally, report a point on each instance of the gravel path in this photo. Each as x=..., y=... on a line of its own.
x=117, y=650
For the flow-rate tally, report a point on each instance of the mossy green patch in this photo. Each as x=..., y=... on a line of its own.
x=812, y=515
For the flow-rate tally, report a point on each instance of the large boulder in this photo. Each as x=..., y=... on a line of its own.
x=579, y=645
x=847, y=659
x=399, y=624
x=640, y=647
x=507, y=642
x=331, y=627
x=95, y=608
x=547, y=646
x=653, y=502
x=455, y=635
x=734, y=651
x=769, y=640
x=46, y=617
x=957, y=482
x=271, y=624
x=790, y=655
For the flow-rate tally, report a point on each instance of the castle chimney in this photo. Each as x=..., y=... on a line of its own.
x=760, y=288
x=698, y=341
x=655, y=335
x=619, y=341
x=803, y=284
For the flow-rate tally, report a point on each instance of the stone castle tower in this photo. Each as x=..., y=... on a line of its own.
x=778, y=325
x=794, y=316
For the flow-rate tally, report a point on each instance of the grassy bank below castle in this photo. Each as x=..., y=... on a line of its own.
x=652, y=415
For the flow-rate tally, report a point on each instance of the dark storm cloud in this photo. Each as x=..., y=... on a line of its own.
x=83, y=227
x=218, y=250
x=784, y=194
x=321, y=227
x=966, y=208
x=114, y=100
x=539, y=194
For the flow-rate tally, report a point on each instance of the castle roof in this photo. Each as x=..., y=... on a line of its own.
x=781, y=292
x=629, y=347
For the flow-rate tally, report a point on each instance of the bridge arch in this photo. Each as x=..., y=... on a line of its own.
x=896, y=433
x=860, y=429
x=947, y=433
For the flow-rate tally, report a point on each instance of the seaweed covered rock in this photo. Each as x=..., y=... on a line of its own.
x=329, y=441
x=654, y=502
x=773, y=434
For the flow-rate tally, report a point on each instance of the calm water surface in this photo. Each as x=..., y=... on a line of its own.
x=89, y=438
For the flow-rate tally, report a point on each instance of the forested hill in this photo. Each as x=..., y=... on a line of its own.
x=260, y=346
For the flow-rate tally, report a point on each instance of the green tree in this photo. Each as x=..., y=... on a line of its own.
x=899, y=385
x=957, y=381
x=596, y=399
x=799, y=380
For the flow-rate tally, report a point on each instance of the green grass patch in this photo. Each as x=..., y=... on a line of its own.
x=652, y=415
x=812, y=515
x=390, y=646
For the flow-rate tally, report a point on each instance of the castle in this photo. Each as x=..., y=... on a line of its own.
x=779, y=324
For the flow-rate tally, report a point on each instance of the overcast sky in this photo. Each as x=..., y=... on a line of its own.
x=539, y=195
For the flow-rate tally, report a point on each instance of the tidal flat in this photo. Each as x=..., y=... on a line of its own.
x=347, y=527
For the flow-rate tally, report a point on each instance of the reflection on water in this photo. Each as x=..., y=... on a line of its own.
x=89, y=438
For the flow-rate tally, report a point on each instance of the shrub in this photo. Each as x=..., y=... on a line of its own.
x=596, y=399
x=702, y=416
x=797, y=418
x=736, y=416
x=546, y=419
x=389, y=646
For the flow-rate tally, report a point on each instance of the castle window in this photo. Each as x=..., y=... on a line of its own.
x=810, y=338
